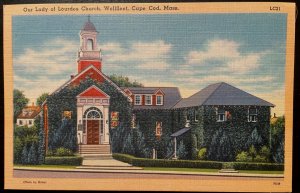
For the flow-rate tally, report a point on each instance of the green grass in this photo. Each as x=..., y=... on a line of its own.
x=209, y=170
x=181, y=169
x=260, y=172
x=46, y=166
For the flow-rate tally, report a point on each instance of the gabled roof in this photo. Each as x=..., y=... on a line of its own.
x=29, y=112
x=97, y=71
x=93, y=91
x=222, y=94
x=171, y=96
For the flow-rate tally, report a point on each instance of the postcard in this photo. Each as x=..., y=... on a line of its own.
x=149, y=96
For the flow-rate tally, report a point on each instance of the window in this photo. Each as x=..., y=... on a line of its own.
x=188, y=116
x=158, y=129
x=252, y=115
x=89, y=44
x=221, y=115
x=30, y=122
x=159, y=100
x=137, y=100
x=148, y=100
x=20, y=122
x=196, y=114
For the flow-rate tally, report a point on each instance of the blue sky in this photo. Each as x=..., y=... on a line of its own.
x=189, y=51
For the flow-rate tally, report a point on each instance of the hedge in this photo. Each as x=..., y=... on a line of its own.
x=66, y=160
x=258, y=166
x=144, y=162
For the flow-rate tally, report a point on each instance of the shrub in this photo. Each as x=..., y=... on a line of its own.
x=260, y=158
x=68, y=160
x=63, y=152
x=265, y=153
x=144, y=162
x=258, y=166
x=227, y=165
x=202, y=154
x=252, y=152
x=242, y=157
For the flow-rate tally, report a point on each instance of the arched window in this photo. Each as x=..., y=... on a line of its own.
x=89, y=44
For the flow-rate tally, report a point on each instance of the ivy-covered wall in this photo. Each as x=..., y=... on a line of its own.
x=235, y=132
x=146, y=124
x=65, y=100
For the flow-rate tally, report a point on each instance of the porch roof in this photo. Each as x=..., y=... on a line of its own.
x=180, y=132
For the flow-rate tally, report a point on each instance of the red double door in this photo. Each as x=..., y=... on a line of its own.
x=92, y=131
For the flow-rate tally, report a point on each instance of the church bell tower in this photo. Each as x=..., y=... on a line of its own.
x=88, y=53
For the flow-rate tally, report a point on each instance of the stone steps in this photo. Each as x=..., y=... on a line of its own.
x=96, y=156
x=94, y=149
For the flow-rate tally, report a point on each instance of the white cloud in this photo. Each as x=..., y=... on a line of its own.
x=45, y=68
x=216, y=49
x=228, y=55
x=144, y=55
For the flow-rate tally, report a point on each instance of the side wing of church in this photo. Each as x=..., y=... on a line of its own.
x=91, y=115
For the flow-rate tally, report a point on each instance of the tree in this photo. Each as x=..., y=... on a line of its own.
x=41, y=146
x=123, y=81
x=182, y=153
x=41, y=98
x=24, y=155
x=32, y=154
x=128, y=147
x=277, y=139
x=252, y=152
x=20, y=101
x=254, y=139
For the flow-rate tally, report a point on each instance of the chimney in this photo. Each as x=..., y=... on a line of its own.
x=274, y=115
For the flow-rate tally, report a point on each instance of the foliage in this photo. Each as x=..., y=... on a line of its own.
x=68, y=160
x=41, y=142
x=252, y=156
x=20, y=101
x=25, y=143
x=242, y=157
x=228, y=165
x=143, y=162
x=252, y=152
x=277, y=139
x=65, y=136
x=41, y=98
x=65, y=100
x=63, y=152
x=123, y=81
x=141, y=150
x=258, y=166
x=254, y=139
x=202, y=154
x=128, y=147
x=181, y=151
x=238, y=130
x=220, y=148
x=32, y=154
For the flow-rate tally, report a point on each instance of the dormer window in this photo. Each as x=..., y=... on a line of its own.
x=159, y=100
x=137, y=100
x=148, y=100
x=252, y=115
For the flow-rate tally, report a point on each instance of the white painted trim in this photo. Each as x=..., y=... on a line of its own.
x=140, y=99
x=147, y=95
x=162, y=100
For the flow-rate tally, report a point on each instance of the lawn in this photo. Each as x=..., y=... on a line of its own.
x=46, y=166
x=209, y=170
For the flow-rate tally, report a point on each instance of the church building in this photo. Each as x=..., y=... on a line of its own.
x=92, y=115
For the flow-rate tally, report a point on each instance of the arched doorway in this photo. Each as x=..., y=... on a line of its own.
x=93, y=122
